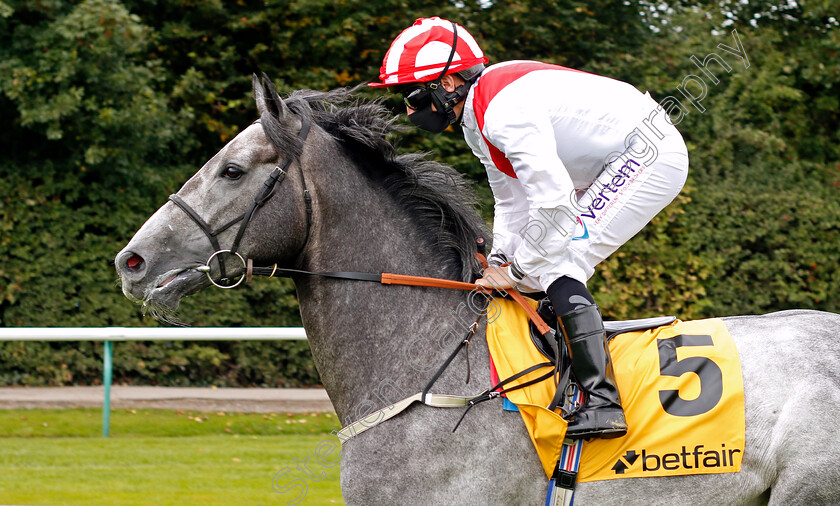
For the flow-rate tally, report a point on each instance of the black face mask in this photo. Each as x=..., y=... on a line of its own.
x=444, y=101
x=430, y=120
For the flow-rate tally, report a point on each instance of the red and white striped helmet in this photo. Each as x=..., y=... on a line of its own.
x=420, y=53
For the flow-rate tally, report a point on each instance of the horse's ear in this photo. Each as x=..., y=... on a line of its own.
x=259, y=94
x=268, y=100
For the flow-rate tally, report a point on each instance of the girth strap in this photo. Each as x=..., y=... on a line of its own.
x=443, y=400
x=433, y=400
x=388, y=412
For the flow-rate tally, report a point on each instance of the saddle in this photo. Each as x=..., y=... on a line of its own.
x=549, y=349
x=693, y=408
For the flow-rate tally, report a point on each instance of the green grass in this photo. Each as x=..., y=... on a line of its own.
x=161, y=457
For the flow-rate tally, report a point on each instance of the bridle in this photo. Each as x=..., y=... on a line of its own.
x=269, y=187
x=264, y=195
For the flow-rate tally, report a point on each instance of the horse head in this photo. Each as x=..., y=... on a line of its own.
x=255, y=184
x=315, y=173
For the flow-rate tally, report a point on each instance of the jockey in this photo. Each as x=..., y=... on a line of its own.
x=578, y=164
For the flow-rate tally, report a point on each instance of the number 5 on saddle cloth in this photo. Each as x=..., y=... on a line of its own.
x=684, y=378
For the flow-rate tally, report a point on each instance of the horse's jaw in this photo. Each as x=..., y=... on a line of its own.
x=161, y=264
x=161, y=297
x=159, y=267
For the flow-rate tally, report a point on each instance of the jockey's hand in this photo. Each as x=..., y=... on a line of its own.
x=496, y=277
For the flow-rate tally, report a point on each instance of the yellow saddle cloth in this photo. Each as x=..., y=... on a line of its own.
x=681, y=389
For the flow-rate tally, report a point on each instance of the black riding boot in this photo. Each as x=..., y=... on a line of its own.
x=602, y=415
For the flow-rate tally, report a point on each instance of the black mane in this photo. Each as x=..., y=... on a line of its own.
x=436, y=194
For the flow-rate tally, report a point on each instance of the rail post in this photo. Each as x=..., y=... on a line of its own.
x=107, y=368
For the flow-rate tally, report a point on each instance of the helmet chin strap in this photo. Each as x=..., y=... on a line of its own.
x=445, y=101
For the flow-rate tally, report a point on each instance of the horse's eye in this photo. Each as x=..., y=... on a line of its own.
x=232, y=172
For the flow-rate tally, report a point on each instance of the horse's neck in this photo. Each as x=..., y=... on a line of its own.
x=374, y=344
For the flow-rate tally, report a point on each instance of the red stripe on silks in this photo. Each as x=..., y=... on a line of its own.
x=494, y=375
x=489, y=86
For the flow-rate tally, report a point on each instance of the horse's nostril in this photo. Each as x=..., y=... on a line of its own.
x=134, y=262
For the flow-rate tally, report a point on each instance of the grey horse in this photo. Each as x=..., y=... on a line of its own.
x=348, y=202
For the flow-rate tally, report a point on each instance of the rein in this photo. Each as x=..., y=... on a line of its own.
x=387, y=278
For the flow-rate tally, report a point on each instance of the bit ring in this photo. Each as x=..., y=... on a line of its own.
x=238, y=281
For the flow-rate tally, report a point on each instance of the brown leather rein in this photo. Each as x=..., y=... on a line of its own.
x=387, y=278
